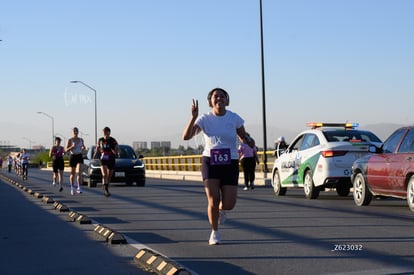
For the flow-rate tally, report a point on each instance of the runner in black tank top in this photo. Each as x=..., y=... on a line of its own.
x=108, y=147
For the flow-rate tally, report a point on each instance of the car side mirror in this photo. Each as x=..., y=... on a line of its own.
x=140, y=156
x=374, y=149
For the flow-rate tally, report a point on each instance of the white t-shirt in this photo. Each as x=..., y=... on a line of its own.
x=25, y=158
x=220, y=131
x=78, y=146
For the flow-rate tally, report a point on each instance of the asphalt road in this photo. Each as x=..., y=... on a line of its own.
x=264, y=234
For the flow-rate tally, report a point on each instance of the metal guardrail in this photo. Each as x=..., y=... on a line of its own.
x=188, y=163
x=192, y=163
x=49, y=164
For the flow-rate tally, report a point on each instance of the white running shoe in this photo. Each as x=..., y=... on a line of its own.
x=72, y=191
x=54, y=184
x=222, y=217
x=246, y=188
x=79, y=191
x=214, y=238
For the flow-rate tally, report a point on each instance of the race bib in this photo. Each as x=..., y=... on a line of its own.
x=220, y=156
x=105, y=157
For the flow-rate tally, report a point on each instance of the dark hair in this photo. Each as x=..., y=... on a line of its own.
x=217, y=89
x=107, y=129
x=58, y=139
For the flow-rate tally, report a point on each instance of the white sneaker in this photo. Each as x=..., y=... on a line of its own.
x=79, y=191
x=246, y=188
x=54, y=183
x=72, y=191
x=214, y=238
x=222, y=217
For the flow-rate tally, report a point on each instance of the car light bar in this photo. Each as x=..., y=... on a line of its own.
x=347, y=125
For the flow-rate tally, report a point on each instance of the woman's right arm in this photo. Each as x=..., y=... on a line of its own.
x=97, y=148
x=192, y=129
x=68, y=145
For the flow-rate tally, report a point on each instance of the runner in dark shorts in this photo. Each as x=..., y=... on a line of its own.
x=56, y=152
x=58, y=165
x=108, y=147
x=227, y=174
x=75, y=145
x=110, y=163
x=221, y=130
x=75, y=159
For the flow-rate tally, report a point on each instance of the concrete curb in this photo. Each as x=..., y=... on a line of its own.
x=109, y=235
x=60, y=207
x=158, y=263
x=261, y=178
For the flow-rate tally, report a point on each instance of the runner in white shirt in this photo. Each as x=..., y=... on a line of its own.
x=220, y=168
x=25, y=156
x=75, y=145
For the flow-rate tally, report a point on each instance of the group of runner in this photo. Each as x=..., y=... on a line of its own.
x=20, y=162
x=107, y=146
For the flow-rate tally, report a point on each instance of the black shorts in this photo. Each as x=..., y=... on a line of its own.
x=58, y=164
x=227, y=174
x=75, y=159
x=110, y=163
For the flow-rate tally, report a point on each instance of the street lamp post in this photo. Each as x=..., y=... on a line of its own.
x=53, y=125
x=263, y=92
x=96, y=112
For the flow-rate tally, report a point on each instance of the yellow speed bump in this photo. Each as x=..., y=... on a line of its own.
x=109, y=235
x=158, y=264
x=79, y=218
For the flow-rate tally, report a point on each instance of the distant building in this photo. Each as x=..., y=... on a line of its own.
x=38, y=147
x=166, y=144
x=139, y=145
x=155, y=144
x=160, y=144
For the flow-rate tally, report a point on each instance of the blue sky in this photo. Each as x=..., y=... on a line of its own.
x=325, y=60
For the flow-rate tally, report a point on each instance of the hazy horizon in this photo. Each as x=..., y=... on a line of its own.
x=324, y=60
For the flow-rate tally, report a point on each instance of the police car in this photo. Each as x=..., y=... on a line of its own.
x=321, y=157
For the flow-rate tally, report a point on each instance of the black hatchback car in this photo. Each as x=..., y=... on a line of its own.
x=129, y=167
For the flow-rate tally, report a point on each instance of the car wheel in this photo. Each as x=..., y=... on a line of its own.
x=410, y=193
x=311, y=191
x=277, y=186
x=362, y=195
x=342, y=190
x=140, y=182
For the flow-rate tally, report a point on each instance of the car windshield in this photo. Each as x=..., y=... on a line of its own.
x=126, y=153
x=350, y=135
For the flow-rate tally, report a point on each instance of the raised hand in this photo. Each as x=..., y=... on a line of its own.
x=194, y=108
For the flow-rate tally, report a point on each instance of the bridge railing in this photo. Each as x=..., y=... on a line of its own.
x=192, y=163
x=189, y=163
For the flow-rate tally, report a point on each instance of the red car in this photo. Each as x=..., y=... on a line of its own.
x=388, y=171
